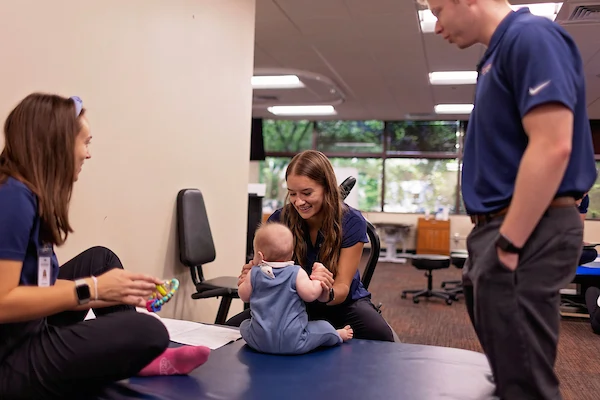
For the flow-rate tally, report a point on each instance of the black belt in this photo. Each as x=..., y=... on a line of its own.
x=479, y=219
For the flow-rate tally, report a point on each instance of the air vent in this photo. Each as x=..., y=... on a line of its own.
x=585, y=13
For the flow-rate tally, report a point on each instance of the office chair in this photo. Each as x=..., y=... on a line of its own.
x=196, y=248
x=455, y=287
x=345, y=188
x=429, y=263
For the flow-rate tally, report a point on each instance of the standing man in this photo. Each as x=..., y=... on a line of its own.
x=528, y=158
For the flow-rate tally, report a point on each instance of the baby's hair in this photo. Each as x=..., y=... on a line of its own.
x=275, y=241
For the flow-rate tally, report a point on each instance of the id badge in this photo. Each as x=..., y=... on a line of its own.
x=44, y=266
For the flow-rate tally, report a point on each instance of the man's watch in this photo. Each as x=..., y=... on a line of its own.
x=83, y=292
x=504, y=244
x=331, y=295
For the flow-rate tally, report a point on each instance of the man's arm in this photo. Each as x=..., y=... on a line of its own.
x=550, y=131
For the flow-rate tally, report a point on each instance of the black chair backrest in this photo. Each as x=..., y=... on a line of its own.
x=373, y=255
x=196, y=246
x=346, y=186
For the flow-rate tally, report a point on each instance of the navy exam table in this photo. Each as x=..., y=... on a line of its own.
x=359, y=369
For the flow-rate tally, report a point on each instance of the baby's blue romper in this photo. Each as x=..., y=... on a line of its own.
x=279, y=323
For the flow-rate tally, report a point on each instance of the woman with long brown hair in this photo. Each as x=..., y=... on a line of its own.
x=329, y=239
x=47, y=350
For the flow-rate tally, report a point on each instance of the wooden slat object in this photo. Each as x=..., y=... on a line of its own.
x=433, y=237
x=265, y=217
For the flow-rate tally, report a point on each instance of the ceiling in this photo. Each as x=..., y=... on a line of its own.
x=370, y=58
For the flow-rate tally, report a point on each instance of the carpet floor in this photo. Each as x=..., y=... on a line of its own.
x=433, y=322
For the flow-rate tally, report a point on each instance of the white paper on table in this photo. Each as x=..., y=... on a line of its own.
x=198, y=334
x=192, y=333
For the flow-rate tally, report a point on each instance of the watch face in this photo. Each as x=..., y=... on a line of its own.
x=83, y=292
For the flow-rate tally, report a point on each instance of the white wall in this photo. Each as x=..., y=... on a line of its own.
x=167, y=88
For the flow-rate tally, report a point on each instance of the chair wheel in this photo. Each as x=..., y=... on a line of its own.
x=449, y=301
x=416, y=301
x=403, y=295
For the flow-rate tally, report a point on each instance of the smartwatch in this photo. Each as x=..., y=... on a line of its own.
x=504, y=243
x=82, y=290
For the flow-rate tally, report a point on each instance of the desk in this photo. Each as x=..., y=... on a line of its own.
x=355, y=370
x=393, y=233
x=573, y=304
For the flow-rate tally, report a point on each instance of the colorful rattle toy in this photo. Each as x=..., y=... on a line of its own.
x=167, y=290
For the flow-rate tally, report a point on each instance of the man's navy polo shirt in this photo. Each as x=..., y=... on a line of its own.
x=530, y=61
x=354, y=230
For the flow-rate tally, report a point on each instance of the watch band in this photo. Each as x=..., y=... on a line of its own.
x=331, y=295
x=505, y=244
x=95, y=280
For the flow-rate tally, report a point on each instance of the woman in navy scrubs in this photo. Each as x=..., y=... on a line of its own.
x=329, y=241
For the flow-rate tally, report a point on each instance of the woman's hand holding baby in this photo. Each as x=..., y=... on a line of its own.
x=320, y=273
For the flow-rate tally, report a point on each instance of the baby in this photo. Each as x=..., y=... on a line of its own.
x=277, y=289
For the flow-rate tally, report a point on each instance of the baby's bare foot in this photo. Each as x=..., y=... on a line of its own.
x=346, y=333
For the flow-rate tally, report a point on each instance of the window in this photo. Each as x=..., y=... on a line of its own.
x=423, y=136
x=418, y=185
x=272, y=173
x=287, y=136
x=594, y=194
x=350, y=136
x=368, y=174
x=400, y=166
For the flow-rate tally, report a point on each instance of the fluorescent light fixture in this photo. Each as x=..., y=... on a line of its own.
x=453, y=108
x=276, y=82
x=548, y=10
x=302, y=110
x=453, y=78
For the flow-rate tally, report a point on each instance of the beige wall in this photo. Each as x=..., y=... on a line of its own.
x=167, y=86
x=254, y=172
